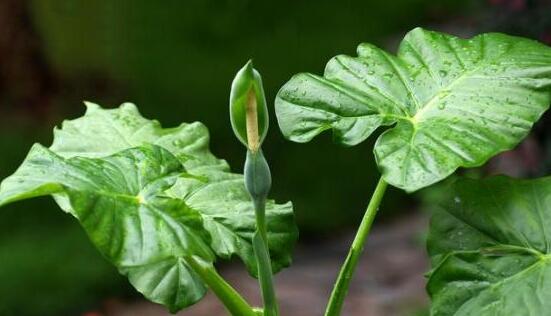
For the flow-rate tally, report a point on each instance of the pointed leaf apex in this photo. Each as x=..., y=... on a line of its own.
x=249, y=65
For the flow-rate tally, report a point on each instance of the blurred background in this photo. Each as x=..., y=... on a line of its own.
x=176, y=60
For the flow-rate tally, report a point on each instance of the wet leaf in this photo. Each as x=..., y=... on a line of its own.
x=120, y=202
x=101, y=132
x=453, y=102
x=491, y=249
x=230, y=219
x=150, y=198
x=218, y=195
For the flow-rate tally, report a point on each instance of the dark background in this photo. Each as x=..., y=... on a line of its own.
x=176, y=60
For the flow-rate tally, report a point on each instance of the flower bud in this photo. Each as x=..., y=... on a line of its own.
x=248, y=110
x=258, y=179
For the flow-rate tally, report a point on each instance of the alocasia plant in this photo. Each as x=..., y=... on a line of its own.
x=154, y=201
x=451, y=102
x=162, y=208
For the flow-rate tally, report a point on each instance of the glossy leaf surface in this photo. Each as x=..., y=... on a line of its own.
x=218, y=195
x=230, y=218
x=125, y=177
x=491, y=249
x=453, y=102
x=101, y=132
x=120, y=202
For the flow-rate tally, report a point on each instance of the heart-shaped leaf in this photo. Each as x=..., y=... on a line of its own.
x=491, y=249
x=218, y=195
x=454, y=102
x=120, y=201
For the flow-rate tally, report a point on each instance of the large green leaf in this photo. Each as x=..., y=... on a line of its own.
x=101, y=132
x=151, y=199
x=218, y=195
x=231, y=221
x=454, y=102
x=491, y=249
x=120, y=201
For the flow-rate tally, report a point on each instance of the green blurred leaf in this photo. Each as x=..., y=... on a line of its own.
x=454, y=102
x=120, y=202
x=491, y=249
x=76, y=276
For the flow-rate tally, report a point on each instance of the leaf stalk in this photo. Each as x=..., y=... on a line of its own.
x=234, y=303
x=342, y=284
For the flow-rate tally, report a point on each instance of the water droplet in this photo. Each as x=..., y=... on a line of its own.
x=177, y=142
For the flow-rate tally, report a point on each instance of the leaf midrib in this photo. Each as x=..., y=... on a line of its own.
x=482, y=63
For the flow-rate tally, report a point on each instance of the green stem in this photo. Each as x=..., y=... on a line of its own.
x=258, y=181
x=260, y=215
x=234, y=303
x=345, y=275
x=262, y=253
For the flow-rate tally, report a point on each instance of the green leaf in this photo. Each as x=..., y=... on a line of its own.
x=120, y=201
x=101, y=132
x=491, y=249
x=218, y=195
x=454, y=102
x=228, y=216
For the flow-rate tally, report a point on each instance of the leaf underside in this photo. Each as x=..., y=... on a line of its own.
x=491, y=249
x=453, y=102
x=150, y=197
